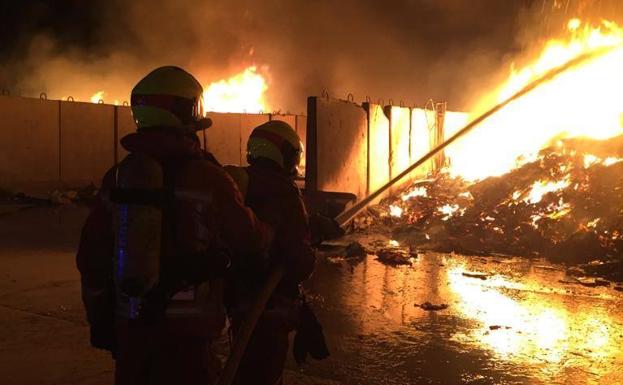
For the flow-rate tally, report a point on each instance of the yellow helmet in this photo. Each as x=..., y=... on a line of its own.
x=276, y=141
x=169, y=97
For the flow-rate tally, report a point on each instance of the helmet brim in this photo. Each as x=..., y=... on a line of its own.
x=202, y=124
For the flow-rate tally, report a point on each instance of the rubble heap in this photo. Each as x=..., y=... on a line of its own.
x=566, y=204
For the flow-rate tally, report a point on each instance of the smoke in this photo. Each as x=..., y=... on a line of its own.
x=404, y=50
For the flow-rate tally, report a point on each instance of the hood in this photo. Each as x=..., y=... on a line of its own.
x=162, y=145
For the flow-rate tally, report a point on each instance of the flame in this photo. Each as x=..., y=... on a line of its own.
x=585, y=101
x=416, y=192
x=96, y=97
x=243, y=92
x=395, y=211
x=540, y=188
x=448, y=210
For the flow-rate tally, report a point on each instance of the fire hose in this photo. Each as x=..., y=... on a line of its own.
x=248, y=325
x=349, y=214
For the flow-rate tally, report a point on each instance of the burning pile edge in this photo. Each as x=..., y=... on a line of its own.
x=566, y=205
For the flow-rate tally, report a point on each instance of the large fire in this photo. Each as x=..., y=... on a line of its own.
x=586, y=101
x=244, y=92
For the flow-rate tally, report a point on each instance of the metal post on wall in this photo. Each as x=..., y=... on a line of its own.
x=60, y=147
x=440, y=118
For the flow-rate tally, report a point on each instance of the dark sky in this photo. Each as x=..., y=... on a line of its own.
x=402, y=49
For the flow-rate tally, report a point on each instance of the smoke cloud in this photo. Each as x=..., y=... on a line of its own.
x=404, y=50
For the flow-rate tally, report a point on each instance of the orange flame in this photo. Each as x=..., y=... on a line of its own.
x=96, y=97
x=244, y=92
x=584, y=101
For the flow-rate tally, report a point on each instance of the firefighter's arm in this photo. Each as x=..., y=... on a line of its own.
x=94, y=261
x=294, y=240
x=242, y=230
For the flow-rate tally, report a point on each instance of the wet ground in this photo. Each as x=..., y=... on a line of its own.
x=507, y=321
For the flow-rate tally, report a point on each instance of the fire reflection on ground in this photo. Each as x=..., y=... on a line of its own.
x=518, y=323
x=508, y=321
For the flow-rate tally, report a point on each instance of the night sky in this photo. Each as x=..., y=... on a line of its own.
x=407, y=49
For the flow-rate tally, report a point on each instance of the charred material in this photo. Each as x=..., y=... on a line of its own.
x=566, y=204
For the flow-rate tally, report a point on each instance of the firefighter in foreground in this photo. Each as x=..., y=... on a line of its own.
x=274, y=152
x=155, y=247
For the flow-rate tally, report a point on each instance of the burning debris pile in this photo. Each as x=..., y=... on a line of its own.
x=567, y=205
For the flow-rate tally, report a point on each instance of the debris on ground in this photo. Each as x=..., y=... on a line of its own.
x=396, y=255
x=566, y=204
x=476, y=275
x=355, y=250
x=498, y=327
x=56, y=197
x=432, y=307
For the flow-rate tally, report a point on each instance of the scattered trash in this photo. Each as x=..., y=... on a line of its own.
x=556, y=206
x=476, y=275
x=396, y=256
x=497, y=327
x=431, y=307
x=355, y=250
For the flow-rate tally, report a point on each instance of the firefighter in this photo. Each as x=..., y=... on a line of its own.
x=154, y=250
x=274, y=152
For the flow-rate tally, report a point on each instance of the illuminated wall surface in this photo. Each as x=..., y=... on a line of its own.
x=49, y=143
x=359, y=148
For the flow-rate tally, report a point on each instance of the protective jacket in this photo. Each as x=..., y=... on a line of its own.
x=214, y=214
x=276, y=199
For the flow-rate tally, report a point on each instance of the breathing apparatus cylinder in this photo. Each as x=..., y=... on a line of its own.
x=137, y=223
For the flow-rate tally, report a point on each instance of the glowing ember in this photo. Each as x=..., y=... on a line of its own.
x=395, y=211
x=416, y=192
x=448, y=210
x=540, y=188
x=593, y=223
x=394, y=243
x=590, y=160
x=244, y=92
x=562, y=108
x=97, y=97
x=611, y=160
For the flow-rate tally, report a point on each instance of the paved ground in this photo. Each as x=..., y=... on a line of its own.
x=43, y=335
x=508, y=321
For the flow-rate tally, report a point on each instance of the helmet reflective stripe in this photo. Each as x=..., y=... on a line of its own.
x=168, y=97
x=275, y=140
x=184, y=109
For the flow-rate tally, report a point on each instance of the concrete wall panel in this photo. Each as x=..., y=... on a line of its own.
x=378, y=131
x=301, y=128
x=224, y=137
x=290, y=119
x=422, y=124
x=125, y=126
x=29, y=160
x=87, y=142
x=399, y=130
x=341, y=147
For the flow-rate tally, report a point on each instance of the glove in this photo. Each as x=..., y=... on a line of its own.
x=309, y=338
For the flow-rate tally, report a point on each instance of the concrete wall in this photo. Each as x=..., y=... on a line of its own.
x=29, y=136
x=125, y=126
x=396, y=138
x=378, y=147
x=49, y=144
x=422, y=127
x=399, y=142
x=87, y=142
x=337, y=154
